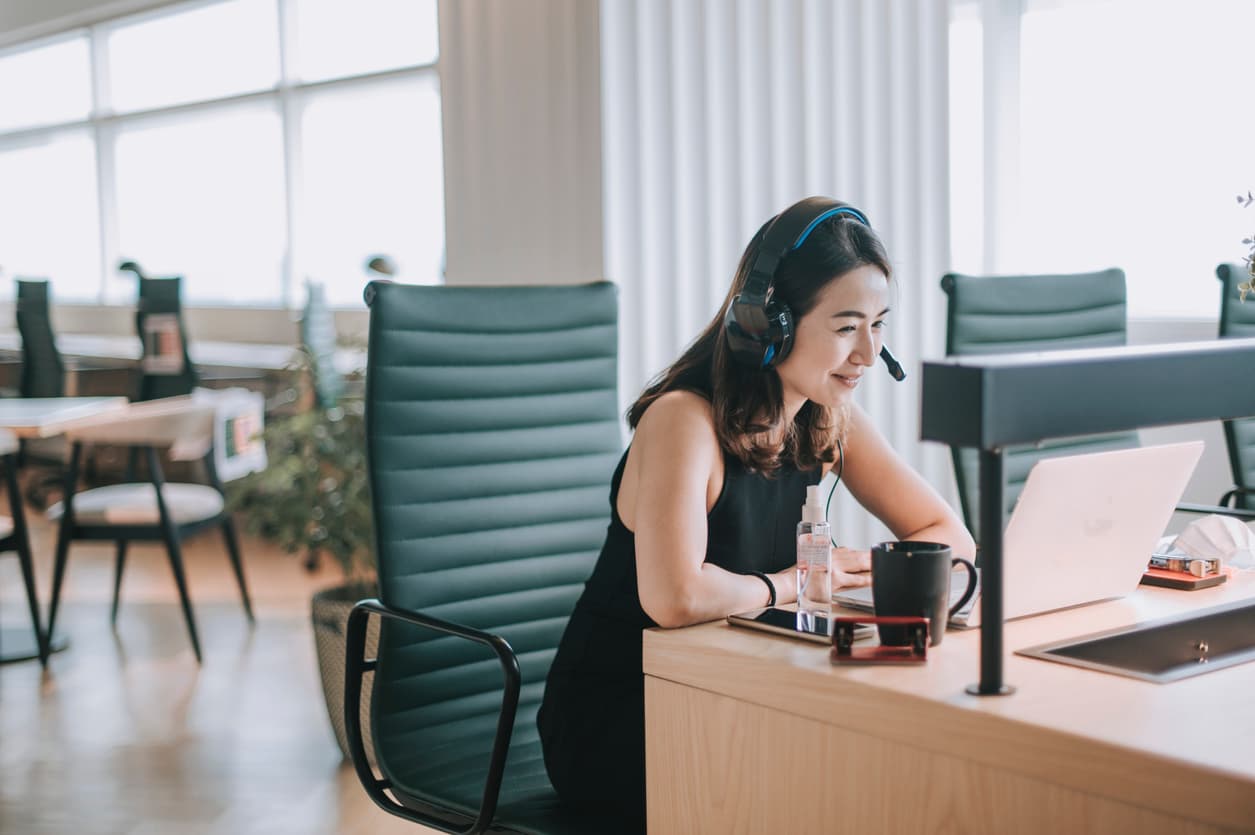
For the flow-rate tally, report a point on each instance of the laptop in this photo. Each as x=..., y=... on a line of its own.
x=1082, y=531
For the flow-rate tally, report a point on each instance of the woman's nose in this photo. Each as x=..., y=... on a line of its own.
x=864, y=352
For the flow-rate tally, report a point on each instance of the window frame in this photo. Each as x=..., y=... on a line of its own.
x=287, y=96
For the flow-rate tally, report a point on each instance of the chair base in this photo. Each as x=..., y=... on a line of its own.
x=19, y=645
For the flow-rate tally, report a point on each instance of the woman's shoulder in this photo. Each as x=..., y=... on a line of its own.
x=678, y=409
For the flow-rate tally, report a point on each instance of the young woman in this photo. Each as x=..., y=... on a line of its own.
x=706, y=500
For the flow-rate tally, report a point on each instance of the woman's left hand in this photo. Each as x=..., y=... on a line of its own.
x=851, y=568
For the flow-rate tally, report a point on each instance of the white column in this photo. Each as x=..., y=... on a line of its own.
x=521, y=110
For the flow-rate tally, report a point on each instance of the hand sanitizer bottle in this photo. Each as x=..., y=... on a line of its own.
x=814, y=556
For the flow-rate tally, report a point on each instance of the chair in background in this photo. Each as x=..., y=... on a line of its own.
x=1237, y=319
x=166, y=368
x=43, y=369
x=492, y=434
x=1011, y=313
x=155, y=510
x=44, y=374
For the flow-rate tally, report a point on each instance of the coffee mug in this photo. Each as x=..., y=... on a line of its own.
x=913, y=579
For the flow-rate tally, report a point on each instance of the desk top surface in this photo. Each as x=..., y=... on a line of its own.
x=264, y=356
x=42, y=417
x=1204, y=724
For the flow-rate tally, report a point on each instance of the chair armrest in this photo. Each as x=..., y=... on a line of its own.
x=1236, y=512
x=356, y=667
x=1233, y=494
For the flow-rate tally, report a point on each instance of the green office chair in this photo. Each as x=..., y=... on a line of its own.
x=1011, y=313
x=1237, y=319
x=492, y=433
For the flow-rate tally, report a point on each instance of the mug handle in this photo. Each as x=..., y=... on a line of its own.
x=971, y=585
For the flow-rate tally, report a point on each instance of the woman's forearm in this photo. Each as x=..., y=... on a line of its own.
x=713, y=592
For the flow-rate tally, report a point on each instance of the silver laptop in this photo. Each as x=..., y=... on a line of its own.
x=1082, y=531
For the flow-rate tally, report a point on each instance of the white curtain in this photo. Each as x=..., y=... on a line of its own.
x=716, y=115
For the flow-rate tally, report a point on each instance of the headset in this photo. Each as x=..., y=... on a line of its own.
x=760, y=328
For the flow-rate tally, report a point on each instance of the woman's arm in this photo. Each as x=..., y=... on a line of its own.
x=893, y=492
x=673, y=473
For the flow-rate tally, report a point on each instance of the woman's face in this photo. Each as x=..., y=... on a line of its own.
x=836, y=341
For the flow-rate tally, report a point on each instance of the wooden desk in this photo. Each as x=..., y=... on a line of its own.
x=264, y=357
x=747, y=732
x=46, y=417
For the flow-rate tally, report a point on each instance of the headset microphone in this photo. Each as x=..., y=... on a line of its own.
x=895, y=367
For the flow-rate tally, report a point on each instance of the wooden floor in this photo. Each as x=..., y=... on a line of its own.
x=125, y=733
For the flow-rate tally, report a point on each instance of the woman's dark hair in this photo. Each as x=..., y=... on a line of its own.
x=748, y=403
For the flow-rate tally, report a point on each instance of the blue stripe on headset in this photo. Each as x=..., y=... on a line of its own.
x=771, y=352
x=839, y=210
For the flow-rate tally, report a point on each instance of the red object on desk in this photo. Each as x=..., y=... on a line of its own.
x=1181, y=579
x=844, y=651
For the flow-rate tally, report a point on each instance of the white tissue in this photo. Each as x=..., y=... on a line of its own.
x=1216, y=536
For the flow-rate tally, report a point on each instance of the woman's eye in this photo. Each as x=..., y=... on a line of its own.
x=880, y=323
x=847, y=329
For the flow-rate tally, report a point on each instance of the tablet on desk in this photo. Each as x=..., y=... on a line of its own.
x=802, y=625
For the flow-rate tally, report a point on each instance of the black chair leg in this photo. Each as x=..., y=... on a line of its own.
x=58, y=574
x=118, y=565
x=64, y=534
x=28, y=577
x=233, y=548
x=21, y=539
x=176, y=565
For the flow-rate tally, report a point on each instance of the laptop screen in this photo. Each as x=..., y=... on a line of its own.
x=1083, y=529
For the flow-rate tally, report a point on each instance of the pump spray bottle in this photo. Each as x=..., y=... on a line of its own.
x=814, y=556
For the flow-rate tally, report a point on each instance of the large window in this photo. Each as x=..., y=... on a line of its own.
x=1134, y=125
x=247, y=145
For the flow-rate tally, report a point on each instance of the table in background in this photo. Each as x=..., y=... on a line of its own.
x=40, y=417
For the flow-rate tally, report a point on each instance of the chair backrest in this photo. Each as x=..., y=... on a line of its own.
x=1237, y=319
x=166, y=368
x=1009, y=313
x=492, y=433
x=43, y=370
x=318, y=338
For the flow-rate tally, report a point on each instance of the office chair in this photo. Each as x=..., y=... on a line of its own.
x=492, y=433
x=44, y=373
x=1237, y=319
x=1011, y=313
x=166, y=368
x=154, y=510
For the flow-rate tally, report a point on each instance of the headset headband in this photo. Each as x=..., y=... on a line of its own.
x=787, y=232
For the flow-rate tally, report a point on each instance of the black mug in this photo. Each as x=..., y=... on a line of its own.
x=913, y=579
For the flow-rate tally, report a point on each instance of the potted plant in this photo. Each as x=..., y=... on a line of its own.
x=314, y=499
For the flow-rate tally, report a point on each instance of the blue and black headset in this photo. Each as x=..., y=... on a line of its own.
x=759, y=327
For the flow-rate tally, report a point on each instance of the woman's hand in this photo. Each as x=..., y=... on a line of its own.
x=851, y=568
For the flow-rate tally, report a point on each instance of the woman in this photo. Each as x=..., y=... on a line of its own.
x=706, y=499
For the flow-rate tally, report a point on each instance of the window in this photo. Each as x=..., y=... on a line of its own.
x=49, y=219
x=247, y=145
x=1131, y=147
x=203, y=196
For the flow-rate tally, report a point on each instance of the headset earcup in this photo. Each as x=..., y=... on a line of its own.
x=781, y=333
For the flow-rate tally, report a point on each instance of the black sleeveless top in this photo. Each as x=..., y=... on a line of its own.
x=592, y=719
